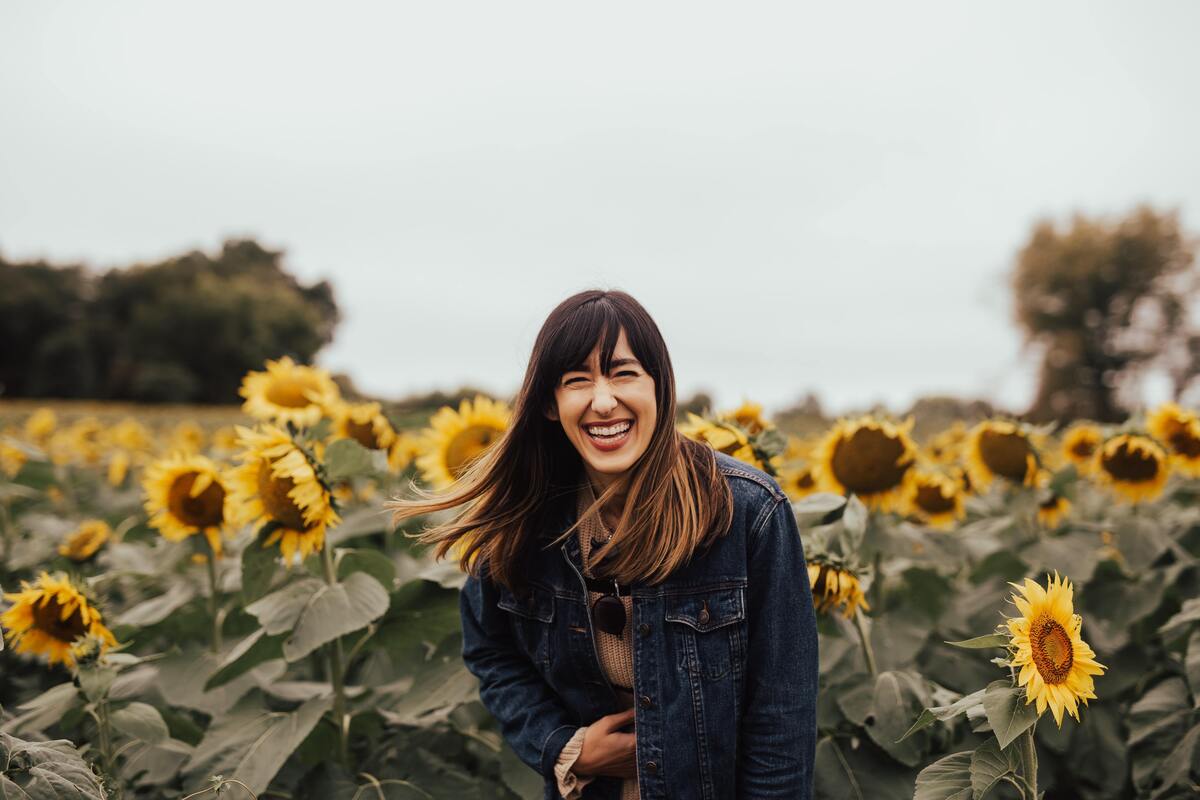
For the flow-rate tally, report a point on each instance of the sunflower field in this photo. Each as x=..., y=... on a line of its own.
x=215, y=604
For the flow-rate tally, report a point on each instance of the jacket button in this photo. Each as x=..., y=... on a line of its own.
x=646, y=701
x=703, y=615
x=651, y=767
x=644, y=629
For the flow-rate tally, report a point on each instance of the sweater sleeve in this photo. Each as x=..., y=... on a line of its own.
x=570, y=785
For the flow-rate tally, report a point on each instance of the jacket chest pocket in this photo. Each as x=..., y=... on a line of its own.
x=531, y=616
x=708, y=629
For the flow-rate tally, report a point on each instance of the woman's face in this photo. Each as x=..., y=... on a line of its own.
x=608, y=418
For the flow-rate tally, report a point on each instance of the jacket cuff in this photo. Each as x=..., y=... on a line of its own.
x=553, y=745
x=570, y=784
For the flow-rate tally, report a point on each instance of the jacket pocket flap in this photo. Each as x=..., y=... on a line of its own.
x=707, y=610
x=538, y=604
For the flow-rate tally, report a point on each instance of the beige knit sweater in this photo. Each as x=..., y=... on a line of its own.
x=616, y=658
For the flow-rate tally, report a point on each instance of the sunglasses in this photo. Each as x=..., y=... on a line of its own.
x=608, y=611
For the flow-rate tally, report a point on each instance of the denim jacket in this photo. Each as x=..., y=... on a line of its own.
x=724, y=655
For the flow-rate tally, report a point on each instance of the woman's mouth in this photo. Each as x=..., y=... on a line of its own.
x=610, y=437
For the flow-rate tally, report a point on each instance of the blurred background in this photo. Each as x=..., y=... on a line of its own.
x=825, y=209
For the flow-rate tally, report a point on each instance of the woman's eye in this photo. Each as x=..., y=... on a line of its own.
x=627, y=372
x=569, y=381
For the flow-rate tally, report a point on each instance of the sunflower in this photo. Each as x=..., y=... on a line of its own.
x=186, y=437
x=11, y=459
x=836, y=588
x=797, y=449
x=1052, y=510
x=946, y=446
x=46, y=617
x=456, y=438
x=1079, y=446
x=749, y=416
x=118, y=468
x=936, y=499
x=1134, y=466
x=1056, y=664
x=404, y=450
x=723, y=436
x=288, y=392
x=185, y=495
x=276, y=484
x=797, y=481
x=870, y=458
x=1180, y=431
x=40, y=425
x=130, y=434
x=89, y=538
x=365, y=424
x=999, y=448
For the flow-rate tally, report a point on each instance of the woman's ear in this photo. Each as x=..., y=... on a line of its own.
x=552, y=413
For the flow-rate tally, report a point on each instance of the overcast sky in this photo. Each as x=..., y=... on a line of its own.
x=825, y=198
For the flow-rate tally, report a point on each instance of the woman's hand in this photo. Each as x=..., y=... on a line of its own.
x=606, y=751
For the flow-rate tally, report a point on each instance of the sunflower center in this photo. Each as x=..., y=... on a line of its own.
x=1005, y=454
x=866, y=461
x=1132, y=466
x=1083, y=449
x=292, y=391
x=932, y=501
x=364, y=434
x=202, y=511
x=273, y=492
x=805, y=480
x=48, y=619
x=1185, y=444
x=467, y=445
x=1053, y=655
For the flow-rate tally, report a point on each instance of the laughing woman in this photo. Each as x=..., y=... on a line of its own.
x=637, y=608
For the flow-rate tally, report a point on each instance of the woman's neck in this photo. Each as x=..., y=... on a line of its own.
x=610, y=512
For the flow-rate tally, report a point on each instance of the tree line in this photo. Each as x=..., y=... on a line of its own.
x=181, y=330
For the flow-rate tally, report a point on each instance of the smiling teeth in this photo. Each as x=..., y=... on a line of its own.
x=613, y=431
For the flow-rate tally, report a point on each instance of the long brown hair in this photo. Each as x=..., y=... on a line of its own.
x=676, y=501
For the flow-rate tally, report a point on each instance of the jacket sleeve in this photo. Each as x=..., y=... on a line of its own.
x=779, y=726
x=532, y=718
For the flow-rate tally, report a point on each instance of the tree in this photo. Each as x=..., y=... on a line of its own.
x=1105, y=300
x=183, y=330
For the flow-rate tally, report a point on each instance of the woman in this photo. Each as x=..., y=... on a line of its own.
x=637, y=609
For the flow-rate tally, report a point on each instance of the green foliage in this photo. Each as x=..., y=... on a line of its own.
x=45, y=771
x=183, y=330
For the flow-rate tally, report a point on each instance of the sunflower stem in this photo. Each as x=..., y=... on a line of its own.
x=336, y=675
x=210, y=561
x=1029, y=763
x=868, y=653
x=5, y=532
x=107, y=761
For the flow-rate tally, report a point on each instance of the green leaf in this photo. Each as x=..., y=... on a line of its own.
x=948, y=778
x=1191, y=665
x=989, y=764
x=156, y=609
x=250, y=746
x=372, y=562
x=95, y=681
x=945, y=713
x=47, y=708
x=1188, y=614
x=140, y=721
x=346, y=458
x=259, y=565
x=248, y=654
x=819, y=503
x=1007, y=712
x=279, y=611
x=335, y=611
x=981, y=642
x=1179, y=767
x=45, y=771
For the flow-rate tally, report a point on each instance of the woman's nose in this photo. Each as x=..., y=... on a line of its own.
x=602, y=398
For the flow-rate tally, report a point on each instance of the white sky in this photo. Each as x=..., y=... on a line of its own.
x=825, y=197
